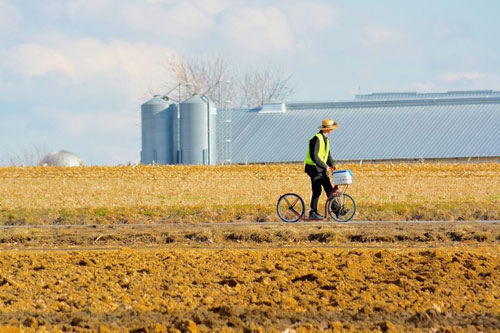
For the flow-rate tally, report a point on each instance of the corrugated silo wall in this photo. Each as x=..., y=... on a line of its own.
x=194, y=132
x=213, y=134
x=158, y=126
x=173, y=135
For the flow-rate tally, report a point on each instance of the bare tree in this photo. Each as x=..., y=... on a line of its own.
x=29, y=156
x=203, y=72
x=227, y=86
x=254, y=87
x=258, y=86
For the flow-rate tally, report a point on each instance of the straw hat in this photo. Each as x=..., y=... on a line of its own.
x=328, y=124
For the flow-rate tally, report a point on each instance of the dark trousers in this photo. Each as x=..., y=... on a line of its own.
x=319, y=179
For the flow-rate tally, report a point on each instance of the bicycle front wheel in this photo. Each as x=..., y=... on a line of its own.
x=290, y=207
x=342, y=208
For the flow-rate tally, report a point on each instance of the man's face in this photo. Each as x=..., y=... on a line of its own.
x=327, y=132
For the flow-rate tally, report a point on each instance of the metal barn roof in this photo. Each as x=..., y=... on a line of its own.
x=375, y=127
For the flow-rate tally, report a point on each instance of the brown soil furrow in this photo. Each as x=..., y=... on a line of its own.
x=302, y=289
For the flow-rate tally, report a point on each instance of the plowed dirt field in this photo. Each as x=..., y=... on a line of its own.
x=148, y=249
x=221, y=280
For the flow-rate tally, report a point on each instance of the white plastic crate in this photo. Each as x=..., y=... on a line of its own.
x=342, y=177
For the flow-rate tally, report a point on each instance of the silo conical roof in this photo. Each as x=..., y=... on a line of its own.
x=156, y=100
x=196, y=98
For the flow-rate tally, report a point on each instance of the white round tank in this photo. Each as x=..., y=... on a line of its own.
x=61, y=158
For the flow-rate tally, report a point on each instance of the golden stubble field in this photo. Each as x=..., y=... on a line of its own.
x=147, y=194
x=98, y=249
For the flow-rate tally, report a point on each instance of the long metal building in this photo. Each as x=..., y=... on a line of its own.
x=377, y=127
x=380, y=126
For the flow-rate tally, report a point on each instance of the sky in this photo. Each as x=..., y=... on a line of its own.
x=73, y=73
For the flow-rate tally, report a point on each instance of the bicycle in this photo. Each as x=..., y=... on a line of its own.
x=340, y=206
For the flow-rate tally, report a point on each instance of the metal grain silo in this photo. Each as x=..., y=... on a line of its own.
x=173, y=134
x=159, y=131
x=198, y=131
x=213, y=132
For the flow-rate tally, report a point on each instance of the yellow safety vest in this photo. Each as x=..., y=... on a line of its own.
x=322, y=152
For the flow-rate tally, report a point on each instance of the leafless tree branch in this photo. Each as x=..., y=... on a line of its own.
x=263, y=85
x=29, y=156
x=254, y=87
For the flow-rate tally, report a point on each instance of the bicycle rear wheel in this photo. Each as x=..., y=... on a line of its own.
x=342, y=208
x=290, y=207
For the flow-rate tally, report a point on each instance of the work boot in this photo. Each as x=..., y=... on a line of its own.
x=335, y=206
x=313, y=215
x=342, y=212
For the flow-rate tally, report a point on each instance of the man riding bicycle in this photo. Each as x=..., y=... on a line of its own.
x=317, y=165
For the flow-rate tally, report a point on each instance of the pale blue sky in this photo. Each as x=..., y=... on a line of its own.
x=73, y=73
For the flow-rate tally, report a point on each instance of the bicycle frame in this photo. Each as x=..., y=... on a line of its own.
x=339, y=194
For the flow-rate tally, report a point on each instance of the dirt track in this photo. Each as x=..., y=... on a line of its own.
x=305, y=278
x=422, y=234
